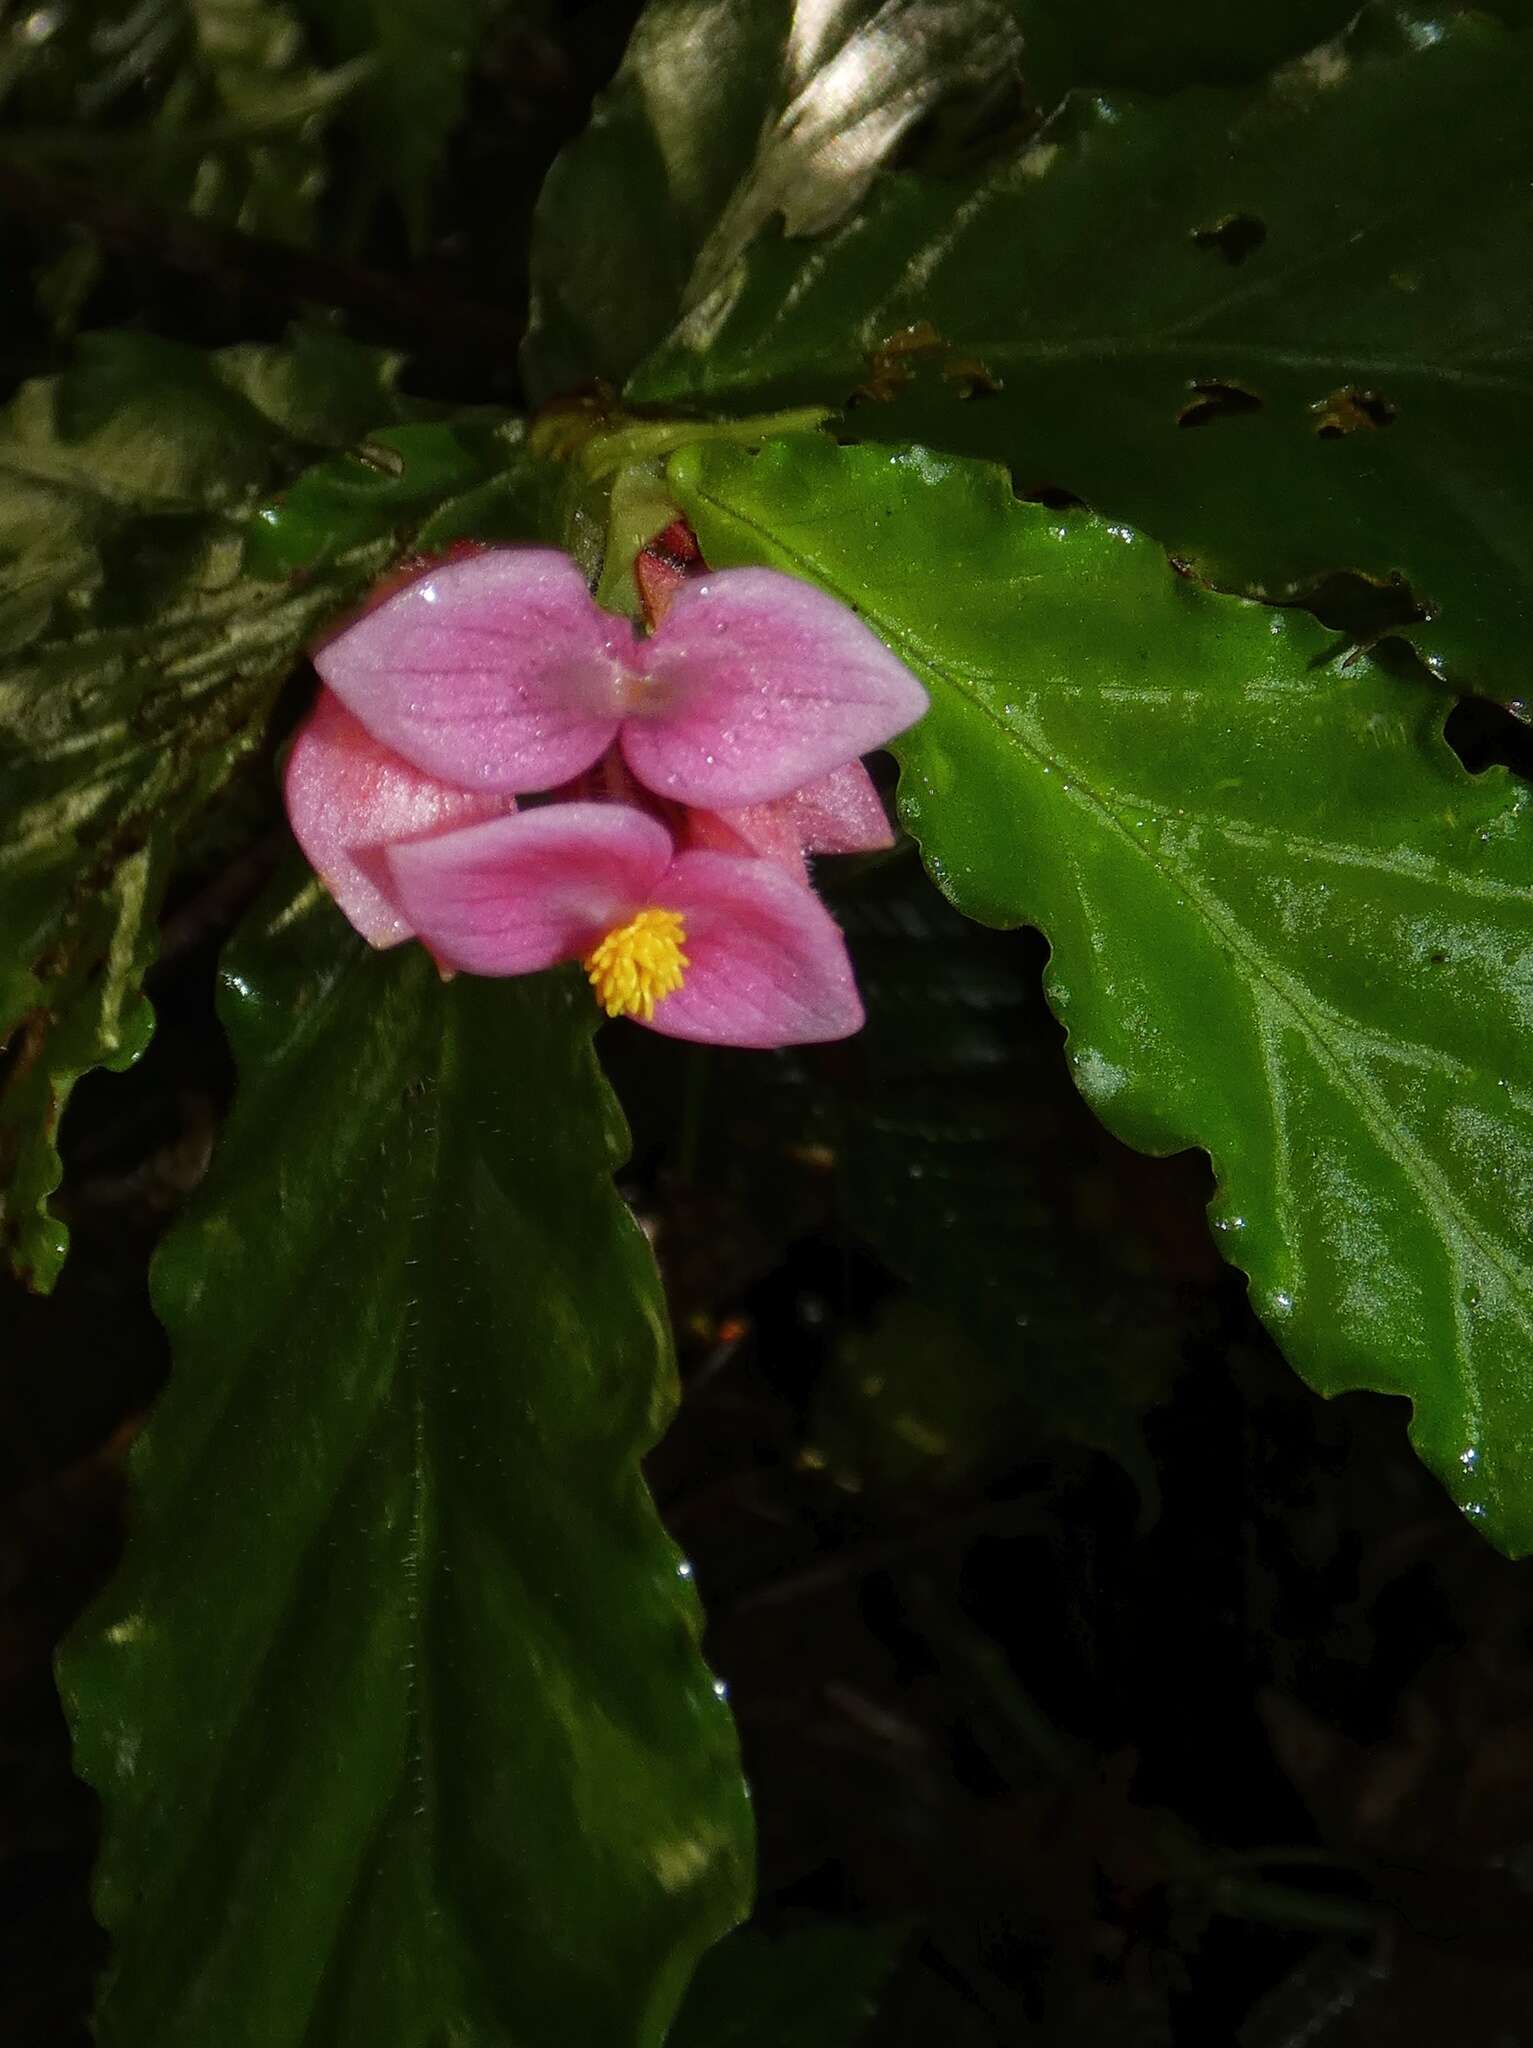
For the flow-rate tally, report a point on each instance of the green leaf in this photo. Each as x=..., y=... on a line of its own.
x=1271, y=328
x=1287, y=925
x=140, y=653
x=720, y=119
x=816, y=1988
x=418, y=53
x=396, y=1709
x=394, y=486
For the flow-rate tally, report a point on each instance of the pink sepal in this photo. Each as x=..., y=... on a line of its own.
x=517, y=894
x=348, y=798
x=759, y=683
x=499, y=672
x=767, y=964
x=841, y=813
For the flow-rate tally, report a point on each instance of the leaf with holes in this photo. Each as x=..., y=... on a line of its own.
x=719, y=121
x=1122, y=44
x=1287, y=924
x=1268, y=326
x=140, y=652
x=396, y=1708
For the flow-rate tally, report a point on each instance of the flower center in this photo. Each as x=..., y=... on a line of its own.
x=638, y=964
x=640, y=696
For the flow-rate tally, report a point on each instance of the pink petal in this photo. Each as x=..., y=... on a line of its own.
x=348, y=797
x=517, y=894
x=841, y=813
x=499, y=672
x=758, y=831
x=760, y=683
x=767, y=965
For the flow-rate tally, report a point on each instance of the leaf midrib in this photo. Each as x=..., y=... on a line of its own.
x=414, y=1776
x=1436, y=1194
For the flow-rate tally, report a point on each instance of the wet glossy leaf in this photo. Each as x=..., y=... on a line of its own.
x=817, y=1988
x=720, y=120
x=1287, y=925
x=1270, y=327
x=140, y=651
x=396, y=1708
x=393, y=484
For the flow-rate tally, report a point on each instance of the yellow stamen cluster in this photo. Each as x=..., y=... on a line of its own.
x=639, y=964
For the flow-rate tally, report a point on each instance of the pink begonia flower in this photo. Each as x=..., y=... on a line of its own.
x=501, y=673
x=348, y=798
x=721, y=948
x=699, y=767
